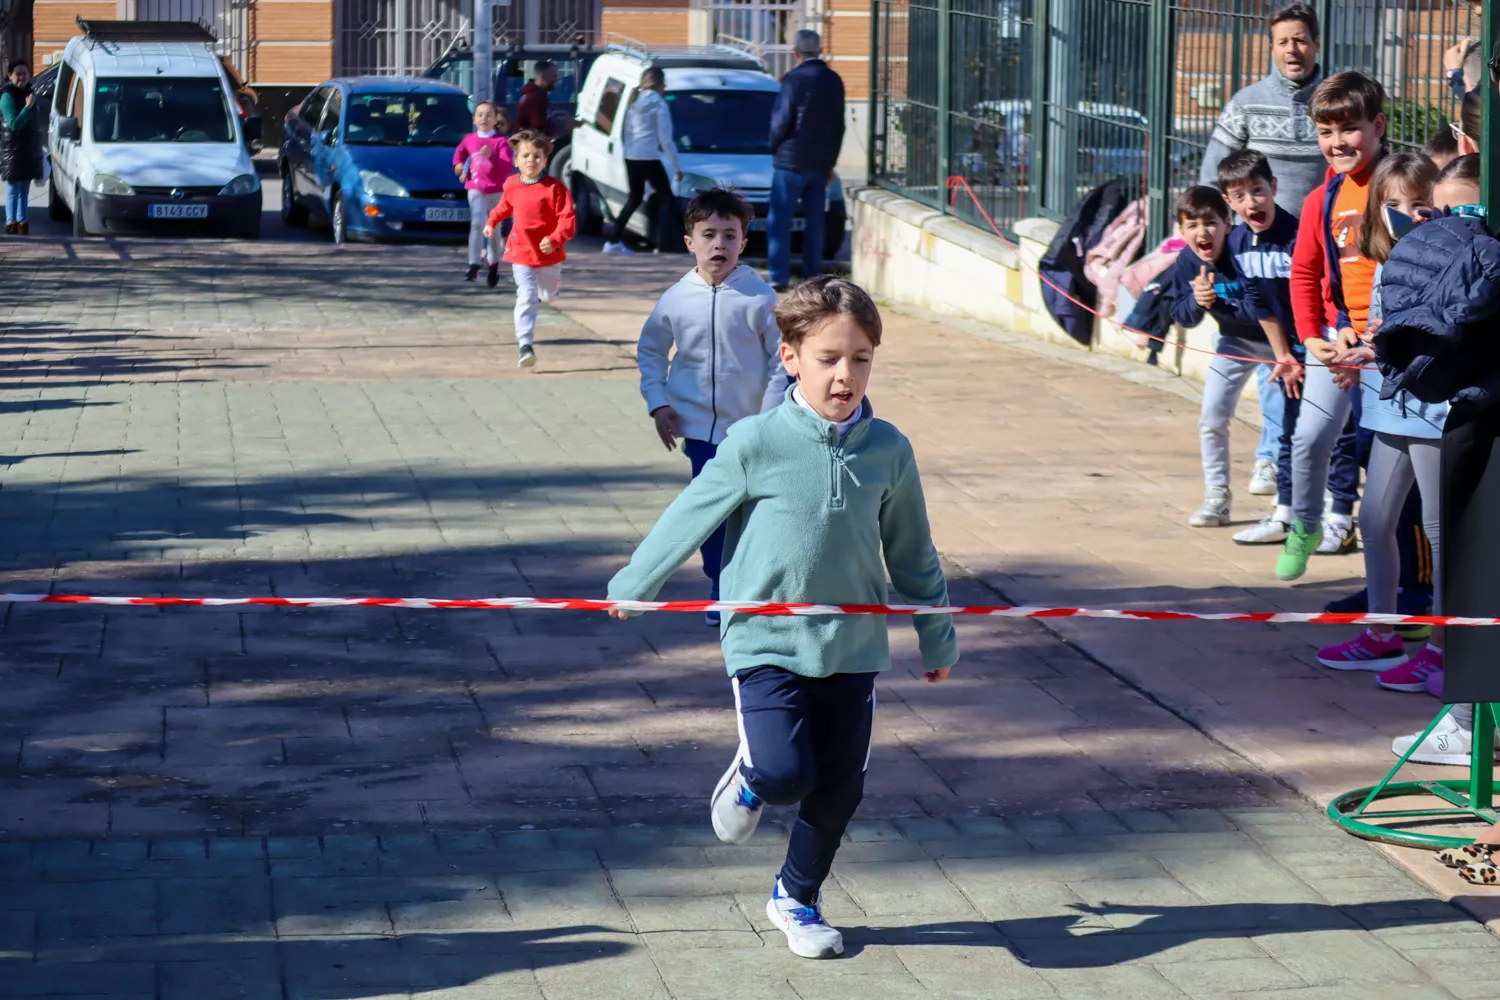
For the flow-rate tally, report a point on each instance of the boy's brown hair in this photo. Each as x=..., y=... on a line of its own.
x=531, y=137
x=1441, y=143
x=725, y=202
x=1346, y=97
x=815, y=302
x=1201, y=202
x=1244, y=166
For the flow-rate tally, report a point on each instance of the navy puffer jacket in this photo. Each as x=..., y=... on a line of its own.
x=1440, y=295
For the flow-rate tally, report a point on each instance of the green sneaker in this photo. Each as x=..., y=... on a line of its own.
x=1300, y=545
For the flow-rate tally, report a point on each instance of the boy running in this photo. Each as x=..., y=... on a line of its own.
x=545, y=222
x=821, y=500
x=1331, y=285
x=721, y=320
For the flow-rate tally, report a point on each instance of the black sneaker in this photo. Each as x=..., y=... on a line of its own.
x=473, y=272
x=493, y=277
x=781, y=287
x=527, y=358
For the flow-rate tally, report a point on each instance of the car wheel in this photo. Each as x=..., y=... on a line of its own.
x=586, y=204
x=57, y=209
x=339, y=220
x=561, y=166
x=292, y=213
x=80, y=229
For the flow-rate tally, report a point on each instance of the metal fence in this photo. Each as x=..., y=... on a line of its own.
x=1126, y=88
x=406, y=36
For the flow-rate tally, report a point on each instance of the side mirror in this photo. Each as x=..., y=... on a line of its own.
x=254, y=130
x=326, y=137
x=67, y=128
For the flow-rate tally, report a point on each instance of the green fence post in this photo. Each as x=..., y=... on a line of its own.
x=872, y=99
x=945, y=101
x=1160, y=60
x=1489, y=147
x=1041, y=55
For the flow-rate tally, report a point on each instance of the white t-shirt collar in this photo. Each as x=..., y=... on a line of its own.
x=842, y=425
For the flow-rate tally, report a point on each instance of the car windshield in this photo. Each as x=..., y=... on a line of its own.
x=161, y=109
x=518, y=74
x=721, y=121
x=407, y=119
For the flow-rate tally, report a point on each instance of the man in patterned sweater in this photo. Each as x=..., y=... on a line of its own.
x=1271, y=116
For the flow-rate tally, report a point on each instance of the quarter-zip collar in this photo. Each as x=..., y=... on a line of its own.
x=810, y=424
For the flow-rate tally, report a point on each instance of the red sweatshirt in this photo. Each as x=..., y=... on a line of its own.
x=1311, y=286
x=541, y=210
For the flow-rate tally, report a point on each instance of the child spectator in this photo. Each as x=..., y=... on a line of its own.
x=1330, y=286
x=720, y=319
x=821, y=500
x=1404, y=448
x=1442, y=146
x=483, y=162
x=1204, y=280
x=1262, y=253
x=545, y=221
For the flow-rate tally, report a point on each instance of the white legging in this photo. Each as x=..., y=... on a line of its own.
x=1396, y=462
x=533, y=285
x=480, y=207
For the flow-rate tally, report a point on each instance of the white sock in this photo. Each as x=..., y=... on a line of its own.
x=1345, y=521
x=1284, y=514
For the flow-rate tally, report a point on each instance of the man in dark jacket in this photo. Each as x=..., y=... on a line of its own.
x=20, y=150
x=531, y=111
x=807, y=129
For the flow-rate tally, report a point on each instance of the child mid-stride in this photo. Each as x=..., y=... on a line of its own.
x=483, y=161
x=821, y=500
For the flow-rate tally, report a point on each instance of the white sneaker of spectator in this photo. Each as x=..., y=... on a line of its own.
x=1215, y=510
x=1271, y=530
x=1263, y=478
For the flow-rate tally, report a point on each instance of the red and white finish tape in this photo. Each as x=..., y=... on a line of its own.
x=746, y=607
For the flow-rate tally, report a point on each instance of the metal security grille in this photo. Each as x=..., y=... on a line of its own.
x=548, y=22
x=1128, y=89
x=15, y=29
x=766, y=26
x=229, y=20
x=401, y=37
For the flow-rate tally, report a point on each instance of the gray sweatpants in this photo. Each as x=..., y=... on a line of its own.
x=1396, y=461
x=1325, y=410
x=1221, y=393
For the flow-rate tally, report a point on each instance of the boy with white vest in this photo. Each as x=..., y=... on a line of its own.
x=721, y=320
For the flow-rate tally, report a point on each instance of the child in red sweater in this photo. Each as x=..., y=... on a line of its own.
x=544, y=222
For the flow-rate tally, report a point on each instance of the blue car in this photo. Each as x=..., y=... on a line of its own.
x=374, y=157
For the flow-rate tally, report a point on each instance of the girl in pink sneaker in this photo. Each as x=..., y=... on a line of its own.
x=1407, y=434
x=483, y=161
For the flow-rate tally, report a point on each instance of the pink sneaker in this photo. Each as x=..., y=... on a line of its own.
x=1435, y=684
x=1415, y=673
x=1368, y=652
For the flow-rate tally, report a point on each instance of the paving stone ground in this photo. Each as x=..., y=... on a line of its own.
x=370, y=803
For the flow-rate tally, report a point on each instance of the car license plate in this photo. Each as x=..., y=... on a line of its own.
x=759, y=225
x=177, y=212
x=445, y=214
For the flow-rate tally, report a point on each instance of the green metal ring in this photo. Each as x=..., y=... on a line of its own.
x=1340, y=811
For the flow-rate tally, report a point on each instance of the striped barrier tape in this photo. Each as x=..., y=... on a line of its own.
x=744, y=607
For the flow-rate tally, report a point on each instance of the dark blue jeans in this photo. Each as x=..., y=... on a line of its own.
x=698, y=454
x=788, y=191
x=807, y=741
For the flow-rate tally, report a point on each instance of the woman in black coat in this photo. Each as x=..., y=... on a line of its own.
x=20, y=145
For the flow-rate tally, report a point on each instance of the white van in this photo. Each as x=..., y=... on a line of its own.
x=720, y=100
x=145, y=136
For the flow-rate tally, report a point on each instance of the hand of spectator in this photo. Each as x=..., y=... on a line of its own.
x=1348, y=338
x=546, y=245
x=1322, y=350
x=668, y=425
x=1346, y=372
x=1291, y=374
x=1203, y=288
x=489, y=231
x=1454, y=55
x=30, y=99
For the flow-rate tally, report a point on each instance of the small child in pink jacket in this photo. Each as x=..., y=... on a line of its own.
x=483, y=161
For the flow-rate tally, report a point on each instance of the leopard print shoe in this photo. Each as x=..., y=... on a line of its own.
x=1468, y=854
x=1482, y=873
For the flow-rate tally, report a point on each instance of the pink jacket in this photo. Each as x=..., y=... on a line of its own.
x=1107, y=261
x=485, y=173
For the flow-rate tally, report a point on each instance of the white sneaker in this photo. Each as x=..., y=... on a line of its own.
x=807, y=933
x=1215, y=510
x=1338, y=536
x=618, y=250
x=1448, y=743
x=734, y=808
x=1272, y=530
x=1263, y=479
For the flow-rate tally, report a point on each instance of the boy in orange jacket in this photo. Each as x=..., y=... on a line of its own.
x=545, y=221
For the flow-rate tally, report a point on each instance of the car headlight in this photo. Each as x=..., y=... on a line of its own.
x=243, y=184
x=691, y=184
x=379, y=184
x=110, y=184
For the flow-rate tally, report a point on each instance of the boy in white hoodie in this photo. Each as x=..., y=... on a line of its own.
x=721, y=320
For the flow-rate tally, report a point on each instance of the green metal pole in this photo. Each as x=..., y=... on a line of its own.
x=945, y=101
x=1489, y=146
x=1041, y=54
x=1159, y=68
x=1482, y=760
x=872, y=100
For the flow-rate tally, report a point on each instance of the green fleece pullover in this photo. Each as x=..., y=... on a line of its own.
x=811, y=519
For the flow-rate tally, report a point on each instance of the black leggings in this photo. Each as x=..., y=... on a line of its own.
x=641, y=173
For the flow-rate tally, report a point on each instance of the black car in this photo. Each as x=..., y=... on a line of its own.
x=513, y=67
